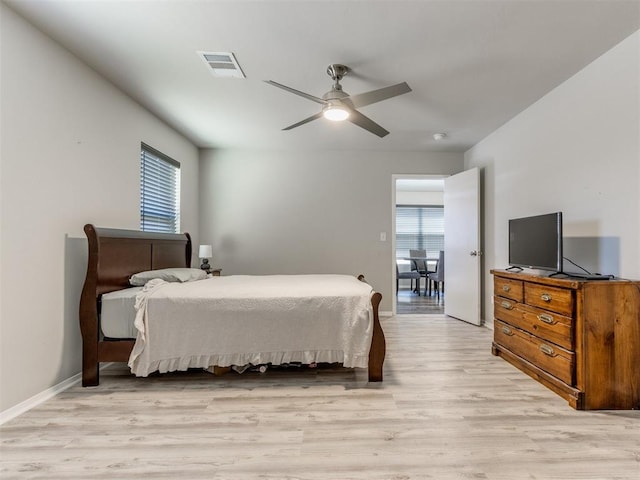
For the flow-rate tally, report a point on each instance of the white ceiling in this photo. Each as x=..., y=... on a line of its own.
x=472, y=65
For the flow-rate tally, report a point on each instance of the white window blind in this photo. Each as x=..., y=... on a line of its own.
x=419, y=228
x=159, y=191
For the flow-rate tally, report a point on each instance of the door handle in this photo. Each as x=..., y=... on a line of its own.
x=475, y=253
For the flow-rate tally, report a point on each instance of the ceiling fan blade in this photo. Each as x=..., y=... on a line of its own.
x=359, y=119
x=302, y=122
x=367, y=98
x=297, y=92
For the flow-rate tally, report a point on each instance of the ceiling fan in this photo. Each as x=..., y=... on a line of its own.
x=337, y=105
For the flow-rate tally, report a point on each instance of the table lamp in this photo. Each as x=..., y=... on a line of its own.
x=205, y=253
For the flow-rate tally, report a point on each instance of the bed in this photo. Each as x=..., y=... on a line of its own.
x=115, y=255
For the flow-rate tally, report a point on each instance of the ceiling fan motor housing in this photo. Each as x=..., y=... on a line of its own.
x=336, y=71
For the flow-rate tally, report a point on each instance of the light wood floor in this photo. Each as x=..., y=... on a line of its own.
x=446, y=410
x=411, y=303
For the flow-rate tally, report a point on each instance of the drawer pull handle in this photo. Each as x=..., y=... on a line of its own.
x=547, y=350
x=545, y=297
x=506, y=305
x=507, y=331
x=543, y=317
x=506, y=288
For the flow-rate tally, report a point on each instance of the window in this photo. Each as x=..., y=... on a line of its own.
x=159, y=191
x=419, y=228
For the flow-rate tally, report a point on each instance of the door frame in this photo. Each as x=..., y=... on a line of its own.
x=394, y=177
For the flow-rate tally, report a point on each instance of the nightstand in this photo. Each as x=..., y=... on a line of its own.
x=215, y=272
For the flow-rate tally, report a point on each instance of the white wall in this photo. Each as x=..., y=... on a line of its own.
x=419, y=198
x=307, y=212
x=70, y=156
x=576, y=150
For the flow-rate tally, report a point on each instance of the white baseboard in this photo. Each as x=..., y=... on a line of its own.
x=42, y=397
x=385, y=314
x=38, y=398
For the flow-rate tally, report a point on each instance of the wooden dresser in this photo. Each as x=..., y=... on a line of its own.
x=580, y=338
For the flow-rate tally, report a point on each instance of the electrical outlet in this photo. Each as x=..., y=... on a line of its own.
x=383, y=236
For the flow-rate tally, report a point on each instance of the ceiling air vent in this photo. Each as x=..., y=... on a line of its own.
x=222, y=64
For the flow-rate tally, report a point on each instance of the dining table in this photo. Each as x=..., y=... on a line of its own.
x=429, y=261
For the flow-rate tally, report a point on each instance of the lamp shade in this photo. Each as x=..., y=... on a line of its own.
x=205, y=251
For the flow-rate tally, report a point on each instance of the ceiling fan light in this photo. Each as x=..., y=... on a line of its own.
x=335, y=113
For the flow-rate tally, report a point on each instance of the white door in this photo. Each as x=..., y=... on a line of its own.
x=462, y=246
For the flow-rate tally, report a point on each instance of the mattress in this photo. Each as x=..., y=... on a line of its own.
x=118, y=313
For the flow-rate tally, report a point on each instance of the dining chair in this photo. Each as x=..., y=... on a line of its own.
x=411, y=275
x=419, y=266
x=437, y=277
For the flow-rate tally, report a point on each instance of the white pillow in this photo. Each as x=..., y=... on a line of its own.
x=168, y=275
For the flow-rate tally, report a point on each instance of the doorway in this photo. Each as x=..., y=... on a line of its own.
x=418, y=206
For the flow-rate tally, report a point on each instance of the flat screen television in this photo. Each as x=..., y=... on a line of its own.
x=536, y=242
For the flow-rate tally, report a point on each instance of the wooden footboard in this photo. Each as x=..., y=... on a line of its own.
x=114, y=255
x=378, y=343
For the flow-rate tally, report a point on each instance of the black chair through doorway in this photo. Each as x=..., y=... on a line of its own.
x=437, y=277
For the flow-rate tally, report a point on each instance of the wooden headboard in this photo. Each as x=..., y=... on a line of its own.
x=115, y=255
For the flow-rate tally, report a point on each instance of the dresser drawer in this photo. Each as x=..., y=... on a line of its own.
x=549, y=326
x=551, y=358
x=505, y=287
x=506, y=310
x=556, y=299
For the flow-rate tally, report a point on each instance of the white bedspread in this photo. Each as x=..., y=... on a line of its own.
x=237, y=320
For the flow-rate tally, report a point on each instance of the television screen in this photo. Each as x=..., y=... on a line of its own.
x=536, y=242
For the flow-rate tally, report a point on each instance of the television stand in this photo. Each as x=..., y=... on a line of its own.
x=583, y=276
x=555, y=274
x=514, y=269
x=590, y=276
